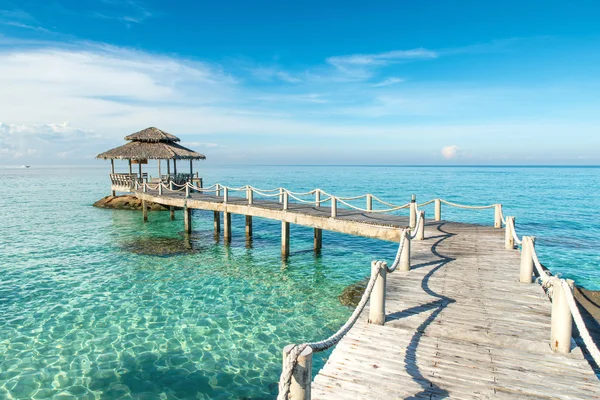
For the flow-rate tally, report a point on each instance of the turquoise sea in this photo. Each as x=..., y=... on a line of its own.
x=95, y=303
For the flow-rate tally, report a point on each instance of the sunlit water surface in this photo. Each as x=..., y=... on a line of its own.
x=96, y=304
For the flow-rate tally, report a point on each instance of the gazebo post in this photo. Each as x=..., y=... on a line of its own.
x=174, y=166
x=140, y=169
x=112, y=172
x=130, y=168
x=159, y=173
x=169, y=168
x=191, y=170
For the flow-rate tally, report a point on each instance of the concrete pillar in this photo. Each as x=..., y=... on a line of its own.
x=405, y=256
x=285, y=239
x=286, y=200
x=318, y=198
x=227, y=227
x=172, y=212
x=145, y=210
x=509, y=240
x=187, y=220
x=301, y=375
x=333, y=207
x=318, y=236
x=369, y=202
x=217, y=224
x=248, y=227
x=498, y=216
x=562, y=321
x=527, y=248
x=413, y=212
x=377, y=299
x=421, y=230
x=438, y=210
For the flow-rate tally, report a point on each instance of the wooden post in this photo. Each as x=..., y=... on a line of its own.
x=301, y=375
x=285, y=239
x=421, y=230
x=377, y=299
x=413, y=212
x=174, y=167
x=286, y=200
x=318, y=198
x=369, y=202
x=333, y=207
x=509, y=240
x=187, y=190
x=248, y=227
x=130, y=170
x=191, y=170
x=112, y=172
x=140, y=169
x=498, y=216
x=227, y=227
x=225, y=194
x=159, y=171
x=145, y=210
x=527, y=248
x=438, y=210
x=281, y=195
x=171, y=185
x=562, y=321
x=218, y=190
x=187, y=220
x=318, y=236
x=250, y=195
x=160, y=189
x=169, y=169
x=405, y=256
x=217, y=215
x=172, y=212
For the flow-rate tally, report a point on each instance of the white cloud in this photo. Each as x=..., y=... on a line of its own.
x=450, y=152
x=388, y=82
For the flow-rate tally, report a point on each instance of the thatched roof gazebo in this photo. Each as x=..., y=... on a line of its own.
x=150, y=144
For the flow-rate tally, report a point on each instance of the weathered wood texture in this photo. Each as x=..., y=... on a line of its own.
x=458, y=325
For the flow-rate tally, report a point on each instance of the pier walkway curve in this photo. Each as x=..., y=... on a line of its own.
x=464, y=311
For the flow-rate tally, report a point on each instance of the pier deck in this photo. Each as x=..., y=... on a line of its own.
x=458, y=325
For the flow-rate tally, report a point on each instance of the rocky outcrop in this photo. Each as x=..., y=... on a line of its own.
x=352, y=294
x=127, y=202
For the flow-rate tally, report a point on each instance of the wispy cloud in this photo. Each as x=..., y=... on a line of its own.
x=388, y=82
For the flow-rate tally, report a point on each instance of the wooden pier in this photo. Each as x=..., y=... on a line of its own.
x=457, y=315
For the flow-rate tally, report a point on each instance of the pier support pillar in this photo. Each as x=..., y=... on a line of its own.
x=217, y=223
x=421, y=230
x=285, y=239
x=562, y=321
x=526, y=274
x=498, y=216
x=405, y=256
x=226, y=227
x=248, y=227
x=377, y=299
x=187, y=220
x=301, y=375
x=318, y=236
x=509, y=240
x=172, y=212
x=413, y=212
x=438, y=210
x=145, y=210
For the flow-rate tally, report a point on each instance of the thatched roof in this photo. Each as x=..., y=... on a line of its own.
x=152, y=134
x=137, y=150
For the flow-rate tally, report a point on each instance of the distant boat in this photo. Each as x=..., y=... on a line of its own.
x=26, y=166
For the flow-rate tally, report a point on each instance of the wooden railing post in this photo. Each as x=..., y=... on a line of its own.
x=438, y=210
x=281, y=195
x=377, y=299
x=527, y=248
x=562, y=320
x=225, y=194
x=405, y=256
x=413, y=212
x=145, y=187
x=509, y=240
x=333, y=207
x=301, y=375
x=170, y=185
x=498, y=216
x=187, y=190
x=318, y=198
x=250, y=195
x=421, y=230
x=218, y=190
x=160, y=189
x=369, y=202
x=286, y=200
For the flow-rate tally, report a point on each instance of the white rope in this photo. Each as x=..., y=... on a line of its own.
x=292, y=357
x=417, y=225
x=301, y=200
x=426, y=203
x=467, y=207
x=581, y=327
x=404, y=237
x=544, y=276
x=514, y=232
x=385, y=203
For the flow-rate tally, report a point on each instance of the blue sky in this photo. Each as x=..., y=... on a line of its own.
x=399, y=82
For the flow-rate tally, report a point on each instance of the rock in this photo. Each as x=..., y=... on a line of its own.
x=352, y=294
x=127, y=202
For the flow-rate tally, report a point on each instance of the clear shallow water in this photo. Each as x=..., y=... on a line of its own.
x=96, y=304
